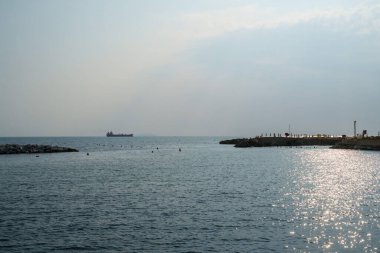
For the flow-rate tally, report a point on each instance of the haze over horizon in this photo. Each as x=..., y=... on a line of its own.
x=200, y=67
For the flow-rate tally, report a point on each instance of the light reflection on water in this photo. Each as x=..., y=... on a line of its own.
x=209, y=197
x=335, y=199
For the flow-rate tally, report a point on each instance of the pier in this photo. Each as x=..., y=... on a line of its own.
x=363, y=143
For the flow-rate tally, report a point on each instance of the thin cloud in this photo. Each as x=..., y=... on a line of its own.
x=362, y=19
x=166, y=45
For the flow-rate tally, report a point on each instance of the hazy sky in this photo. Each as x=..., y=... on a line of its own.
x=196, y=67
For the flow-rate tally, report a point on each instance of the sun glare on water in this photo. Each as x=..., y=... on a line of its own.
x=333, y=199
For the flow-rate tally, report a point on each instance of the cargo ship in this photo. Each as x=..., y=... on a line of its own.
x=111, y=134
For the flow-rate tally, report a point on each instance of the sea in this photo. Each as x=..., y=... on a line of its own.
x=187, y=194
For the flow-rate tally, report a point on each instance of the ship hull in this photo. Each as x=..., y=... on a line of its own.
x=120, y=135
x=111, y=134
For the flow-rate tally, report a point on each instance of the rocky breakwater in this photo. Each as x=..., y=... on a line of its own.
x=233, y=141
x=369, y=143
x=282, y=141
x=32, y=149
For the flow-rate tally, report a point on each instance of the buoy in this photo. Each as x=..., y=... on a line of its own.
x=152, y=151
x=88, y=153
x=179, y=150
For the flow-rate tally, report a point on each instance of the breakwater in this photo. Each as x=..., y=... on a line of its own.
x=32, y=149
x=282, y=141
x=367, y=143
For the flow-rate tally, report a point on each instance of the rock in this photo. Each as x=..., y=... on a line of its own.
x=232, y=141
x=246, y=143
x=32, y=149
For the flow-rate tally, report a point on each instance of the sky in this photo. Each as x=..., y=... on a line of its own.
x=193, y=67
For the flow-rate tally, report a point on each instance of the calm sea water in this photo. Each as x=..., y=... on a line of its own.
x=207, y=198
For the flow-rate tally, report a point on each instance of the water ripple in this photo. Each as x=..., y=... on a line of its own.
x=207, y=198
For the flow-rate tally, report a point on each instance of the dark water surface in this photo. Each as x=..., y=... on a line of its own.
x=207, y=198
